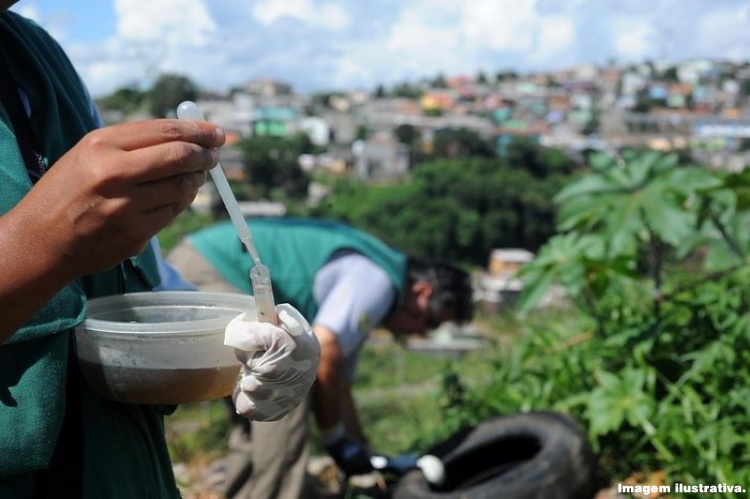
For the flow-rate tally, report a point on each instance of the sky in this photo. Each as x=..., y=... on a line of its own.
x=332, y=45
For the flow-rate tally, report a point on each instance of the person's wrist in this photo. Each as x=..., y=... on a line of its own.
x=331, y=435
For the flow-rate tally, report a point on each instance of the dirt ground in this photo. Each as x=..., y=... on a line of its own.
x=205, y=482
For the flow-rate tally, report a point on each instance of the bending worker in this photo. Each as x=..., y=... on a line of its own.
x=345, y=282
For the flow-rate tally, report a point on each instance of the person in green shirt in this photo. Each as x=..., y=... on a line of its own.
x=345, y=282
x=80, y=205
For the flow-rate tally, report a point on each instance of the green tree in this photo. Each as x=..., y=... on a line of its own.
x=406, y=134
x=407, y=91
x=527, y=154
x=459, y=208
x=126, y=99
x=168, y=92
x=272, y=165
x=461, y=142
x=670, y=74
x=439, y=81
x=362, y=132
x=506, y=76
x=323, y=99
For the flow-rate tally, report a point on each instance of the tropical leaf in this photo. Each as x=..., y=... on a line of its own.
x=632, y=199
x=622, y=225
x=582, y=213
x=668, y=222
x=687, y=180
x=590, y=184
x=576, y=262
x=559, y=261
x=619, y=399
x=600, y=161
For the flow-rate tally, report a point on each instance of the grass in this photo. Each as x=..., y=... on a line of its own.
x=198, y=432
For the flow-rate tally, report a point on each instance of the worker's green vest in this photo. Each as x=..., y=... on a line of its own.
x=124, y=449
x=293, y=250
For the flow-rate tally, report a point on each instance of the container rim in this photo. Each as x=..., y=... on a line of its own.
x=232, y=302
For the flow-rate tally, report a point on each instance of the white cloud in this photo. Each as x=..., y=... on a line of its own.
x=414, y=40
x=499, y=24
x=448, y=36
x=465, y=36
x=185, y=22
x=52, y=25
x=108, y=75
x=726, y=30
x=635, y=41
x=556, y=38
x=327, y=15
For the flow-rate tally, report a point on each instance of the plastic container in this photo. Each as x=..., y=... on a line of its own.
x=160, y=348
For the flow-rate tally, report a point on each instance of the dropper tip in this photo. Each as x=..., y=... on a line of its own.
x=189, y=110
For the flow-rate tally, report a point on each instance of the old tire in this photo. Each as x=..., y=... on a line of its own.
x=522, y=456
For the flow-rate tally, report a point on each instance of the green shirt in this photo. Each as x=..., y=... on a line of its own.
x=124, y=449
x=293, y=250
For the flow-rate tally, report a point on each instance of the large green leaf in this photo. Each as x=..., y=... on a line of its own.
x=582, y=213
x=576, y=262
x=620, y=399
x=622, y=224
x=687, y=180
x=590, y=184
x=635, y=197
x=559, y=261
x=600, y=161
x=668, y=222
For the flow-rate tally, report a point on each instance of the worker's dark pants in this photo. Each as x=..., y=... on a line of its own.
x=271, y=461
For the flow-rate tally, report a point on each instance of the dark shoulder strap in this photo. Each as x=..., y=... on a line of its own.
x=64, y=477
x=25, y=137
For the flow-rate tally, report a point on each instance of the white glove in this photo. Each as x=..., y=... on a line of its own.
x=279, y=363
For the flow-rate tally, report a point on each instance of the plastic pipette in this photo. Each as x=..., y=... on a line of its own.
x=260, y=277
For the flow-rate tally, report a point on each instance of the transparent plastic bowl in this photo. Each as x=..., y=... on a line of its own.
x=160, y=348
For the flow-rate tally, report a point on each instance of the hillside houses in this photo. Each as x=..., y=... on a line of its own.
x=700, y=103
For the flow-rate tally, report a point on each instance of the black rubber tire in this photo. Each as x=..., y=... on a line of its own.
x=539, y=455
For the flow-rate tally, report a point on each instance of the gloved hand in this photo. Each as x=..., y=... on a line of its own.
x=350, y=456
x=279, y=363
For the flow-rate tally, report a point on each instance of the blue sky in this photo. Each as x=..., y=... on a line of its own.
x=319, y=45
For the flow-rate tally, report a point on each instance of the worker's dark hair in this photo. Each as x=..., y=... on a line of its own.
x=451, y=285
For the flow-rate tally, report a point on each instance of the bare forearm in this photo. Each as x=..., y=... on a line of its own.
x=327, y=389
x=333, y=403
x=350, y=415
x=31, y=274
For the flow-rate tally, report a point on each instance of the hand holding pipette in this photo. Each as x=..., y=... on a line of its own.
x=260, y=276
x=278, y=356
